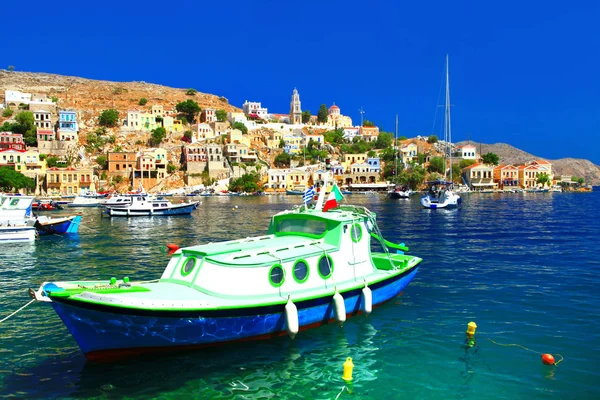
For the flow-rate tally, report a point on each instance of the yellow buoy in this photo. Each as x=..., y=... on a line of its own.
x=348, y=366
x=471, y=327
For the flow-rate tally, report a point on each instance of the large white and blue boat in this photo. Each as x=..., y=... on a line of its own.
x=144, y=205
x=313, y=267
x=15, y=215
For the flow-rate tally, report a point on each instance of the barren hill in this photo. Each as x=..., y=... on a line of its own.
x=564, y=166
x=90, y=96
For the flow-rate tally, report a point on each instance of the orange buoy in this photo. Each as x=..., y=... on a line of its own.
x=548, y=359
x=172, y=247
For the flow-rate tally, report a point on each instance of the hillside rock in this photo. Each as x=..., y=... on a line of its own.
x=564, y=166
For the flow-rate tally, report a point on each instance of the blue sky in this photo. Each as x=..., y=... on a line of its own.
x=523, y=73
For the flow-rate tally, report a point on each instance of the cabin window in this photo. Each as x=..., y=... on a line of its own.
x=325, y=266
x=309, y=227
x=356, y=233
x=14, y=202
x=188, y=266
x=276, y=275
x=300, y=272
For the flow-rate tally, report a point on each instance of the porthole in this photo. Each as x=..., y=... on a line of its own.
x=356, y=233
x=188, y=266
x=276, y=275
x=300, y=271
x=325, y=267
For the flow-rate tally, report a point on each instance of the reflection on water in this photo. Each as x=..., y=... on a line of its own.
x=524, y=266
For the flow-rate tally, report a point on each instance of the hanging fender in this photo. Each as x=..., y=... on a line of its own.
x=367, y=300
x=291, y=318
x=339, y=308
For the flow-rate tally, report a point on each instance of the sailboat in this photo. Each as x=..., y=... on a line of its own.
x=398, y=192
x=440, y=193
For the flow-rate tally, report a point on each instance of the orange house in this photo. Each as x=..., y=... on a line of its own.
x=506, y=175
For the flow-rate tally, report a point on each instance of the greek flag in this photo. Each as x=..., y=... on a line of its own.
x=308, y=195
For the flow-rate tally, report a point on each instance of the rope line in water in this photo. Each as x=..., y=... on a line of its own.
x=340, y=393
x=524, y=348
x=14, y=313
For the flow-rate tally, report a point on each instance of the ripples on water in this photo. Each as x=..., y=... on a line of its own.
x=524, y=267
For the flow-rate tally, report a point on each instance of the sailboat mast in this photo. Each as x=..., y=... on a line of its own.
x=447, y=125
x=396, y=149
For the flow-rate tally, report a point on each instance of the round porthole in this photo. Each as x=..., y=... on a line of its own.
x=188, y=266
x=276, y=275
x=356, y=232
x=325, y=267
x=300, y=271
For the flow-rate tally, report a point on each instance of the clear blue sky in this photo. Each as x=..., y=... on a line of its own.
x=524, y=73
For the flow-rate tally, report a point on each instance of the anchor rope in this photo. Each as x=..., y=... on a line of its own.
x=16, y=312
x=524, y=348
x=340, y=393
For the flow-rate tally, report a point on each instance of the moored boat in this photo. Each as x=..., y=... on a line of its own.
x=49, y=226
x=85, y=201
x=143, y=205
x=15, y=212
x=314, y=266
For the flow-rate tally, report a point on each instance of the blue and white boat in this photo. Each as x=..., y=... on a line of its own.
x=313, y=267
x=15, y=214
x=49, y=226
x=147, y=206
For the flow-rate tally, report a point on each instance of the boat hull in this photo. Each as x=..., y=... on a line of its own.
x=59, y=226
x=399, y=195
x=16, y=234
x=106, y=332
x=130, y=212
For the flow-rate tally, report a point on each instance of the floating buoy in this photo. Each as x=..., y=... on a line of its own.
x=348, y=366
x=548, y=359
x=367, y=300
x=291, y=318
x=339, y=308
x=236, y=206
x=471, y=327
x=172, y=247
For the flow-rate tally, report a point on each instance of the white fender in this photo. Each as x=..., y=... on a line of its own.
x=291, y=318
x=367, y=300
x=339, y=308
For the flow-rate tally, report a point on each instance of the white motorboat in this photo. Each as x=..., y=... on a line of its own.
x=85, y=201
x=15, y=214
x=143, y=205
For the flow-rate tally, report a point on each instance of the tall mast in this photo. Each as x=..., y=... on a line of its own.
x=396, y=149
x=447, y=126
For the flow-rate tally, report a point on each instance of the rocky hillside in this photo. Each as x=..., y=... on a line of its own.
x=90, y=97
x=564, y=166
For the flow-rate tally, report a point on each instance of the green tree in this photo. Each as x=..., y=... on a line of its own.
x=402, y=138
x=306, y=116
x=436, y=164
x=335, y=137
x=143, y=101
x=109, y=118
x=371, y=154
x=102, y=162
x=490, y=158
x=52, y=161
x=416, y=177
x=11, y=68
x=191, y=92
x=171, y=168
x=241, y=127
x=282, y=160
x=158, y=136
x=189, y=108
x=543, y=178
x=221, y=115
x=432, y=139
x=281, y=143
x=323, y=114
x=7, y=113
x=456, y=173
x=421, y=158
x=466, y=163
x=387, y=155
x=54, y=99
x=11, y=179
x=24, y=125
x=248, y=183
x=366, y=122
x=384, y=140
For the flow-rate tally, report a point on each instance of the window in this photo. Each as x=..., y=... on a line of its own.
x=300, y=271
x=356, y=233
x=325, y=266
x=276, y=275
x=188, y=266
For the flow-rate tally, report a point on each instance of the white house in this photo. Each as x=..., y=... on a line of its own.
x=252, y=107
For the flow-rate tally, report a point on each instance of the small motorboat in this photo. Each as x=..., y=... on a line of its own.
x=440, y=195
x=15, y=214
x=400, y=193
x=49, y=226
x=86, y=201
x=313, y=267
x=145, y=206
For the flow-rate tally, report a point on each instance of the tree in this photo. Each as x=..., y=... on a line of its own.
x=248, y=183
x=187, y=137
x=281, y=143
x=189, y=107
x=432, y=139
x=7, y=113
x=543, y=178
x=143, y=101
x=368, y=123
x=109, y=118
x=466, y=163
x=158, y=135
x=323, y=114
x=416, y=177
x=335, y=137
x=171, y=168
x=102, y=162
x=52, y=161
x=384, y=140
x=282, y=160
x=456, y=172
x=221, y=115
x=421, y=158
x=11, y=179
x=191, y=92
x=24, y=125
x=11, y=68
x=306, y=116
x=490, y=158
x=437, y=164
x=241, y=127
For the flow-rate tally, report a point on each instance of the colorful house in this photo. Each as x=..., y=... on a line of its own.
x=9, y=140
x=374, y=164
x=506, y=176
x=68, y=181
x=296, y=179
x=369, y=133
x=409, y=153
x=479, y=177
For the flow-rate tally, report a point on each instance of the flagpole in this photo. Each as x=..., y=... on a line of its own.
x=319, y=205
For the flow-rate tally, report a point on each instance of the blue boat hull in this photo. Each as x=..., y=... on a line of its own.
x=115, y=332
x=68, y=226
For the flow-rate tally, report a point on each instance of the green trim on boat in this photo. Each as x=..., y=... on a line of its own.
x=185, y=264
x=100, y=290
x=301, y=260
x=330, y=266
x=275, y=284
x=390, y=244
x=352, y=235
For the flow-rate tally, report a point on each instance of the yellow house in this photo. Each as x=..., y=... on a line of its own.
x=350, y=159
x=26, y=162
x=293, y=144
x=296, y=179
x=160, y=160
x=177, y=126
x=409, y=153
x=67, y=181
x=148, y=121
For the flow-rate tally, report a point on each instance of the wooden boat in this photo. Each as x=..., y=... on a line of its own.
x=50, y=226
x=143, y=205
x=314, y=266
x=15, y=213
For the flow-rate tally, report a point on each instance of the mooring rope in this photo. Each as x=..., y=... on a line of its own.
x=524, y=348
x=16, y=312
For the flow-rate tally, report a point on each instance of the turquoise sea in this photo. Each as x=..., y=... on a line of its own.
x=524, y=267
